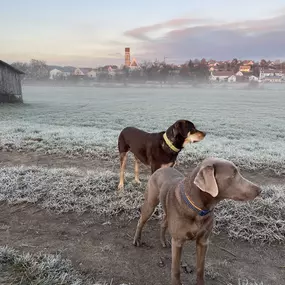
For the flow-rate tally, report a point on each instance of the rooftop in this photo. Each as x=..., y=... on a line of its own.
x=3, y=63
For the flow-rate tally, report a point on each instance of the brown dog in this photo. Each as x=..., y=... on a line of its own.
x=188, y=204
x=155, y=149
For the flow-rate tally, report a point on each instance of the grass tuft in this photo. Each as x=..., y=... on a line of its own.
x=39, y=269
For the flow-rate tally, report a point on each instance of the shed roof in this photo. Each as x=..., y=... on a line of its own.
x=3, y=63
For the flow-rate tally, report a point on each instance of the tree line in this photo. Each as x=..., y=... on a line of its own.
x=36, y=69
x=193, y=70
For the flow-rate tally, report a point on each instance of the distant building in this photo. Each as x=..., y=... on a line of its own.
x=134, y=64
x=247, y=63
x=220, y=76
x=10, y=83
x=272, y=72
x=271, y=75
x=232, y=78
x=92, y=74
x=245, y=68
x=127, y=56
x=111, y=72
x=239, y=73
x=253, y=78
x=82, y=71
x=55, y=73
x=272, y=79
x=60, y=72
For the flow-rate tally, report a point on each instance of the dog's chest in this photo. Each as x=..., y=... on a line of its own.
x=170, y=164
x=194, y=227
x=160, y=155
x=192, y=231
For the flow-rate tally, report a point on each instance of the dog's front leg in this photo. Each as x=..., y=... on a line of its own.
x=176, y=248
x=201, y=250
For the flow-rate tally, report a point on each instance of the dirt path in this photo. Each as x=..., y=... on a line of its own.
x=102, y=247
x=57, y=161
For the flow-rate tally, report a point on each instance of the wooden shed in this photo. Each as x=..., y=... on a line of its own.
x=10, y=83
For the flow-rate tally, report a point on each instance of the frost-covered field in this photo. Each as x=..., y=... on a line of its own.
x=70, y=190
x=244, y=126
x=247, y=127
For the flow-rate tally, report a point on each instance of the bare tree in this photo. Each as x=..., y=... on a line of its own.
x=203, y=61
x=38, y=69
x=22, y=66
x=263, y=63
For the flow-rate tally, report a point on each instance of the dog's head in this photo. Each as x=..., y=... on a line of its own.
x=187, y=131
x=220, y=178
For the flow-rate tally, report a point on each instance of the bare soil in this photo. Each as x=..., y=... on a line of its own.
x=101, y=247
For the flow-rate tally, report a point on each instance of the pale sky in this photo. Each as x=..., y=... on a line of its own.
x=92, y=32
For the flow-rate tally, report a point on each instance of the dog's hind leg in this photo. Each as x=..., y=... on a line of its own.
x=146, y=212
x=137, y=180
x=163, y=229
x=123, y=161
x=148, y=207
x=123, y=150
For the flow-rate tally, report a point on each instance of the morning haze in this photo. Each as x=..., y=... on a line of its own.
x=108, y=108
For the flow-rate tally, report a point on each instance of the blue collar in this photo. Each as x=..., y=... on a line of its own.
x=190, y=204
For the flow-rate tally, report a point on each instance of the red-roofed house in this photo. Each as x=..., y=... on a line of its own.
x=134, y=64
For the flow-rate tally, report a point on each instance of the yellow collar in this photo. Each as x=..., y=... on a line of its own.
x=169, y=143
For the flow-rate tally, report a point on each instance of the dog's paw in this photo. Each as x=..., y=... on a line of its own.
x=137, y=242
x=166, y=244
x=121, y=187
x=136, y=181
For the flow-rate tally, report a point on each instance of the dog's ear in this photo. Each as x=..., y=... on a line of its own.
x=206, y=181
x=180, y=127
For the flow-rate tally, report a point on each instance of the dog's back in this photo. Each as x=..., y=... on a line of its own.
x=137, y=142
x=129, y=137
x=161, y=182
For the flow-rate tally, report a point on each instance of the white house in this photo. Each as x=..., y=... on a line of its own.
x=82, y=71
x=67, y=71
x=253, y=78
x=232, y=78
x=271, y=72
x=111, y=72
x=55, y=73
x=92, y=74
x=272, y=79
x=226, y=76
x=62, y=72
x=239, y=73
x=78, y=72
